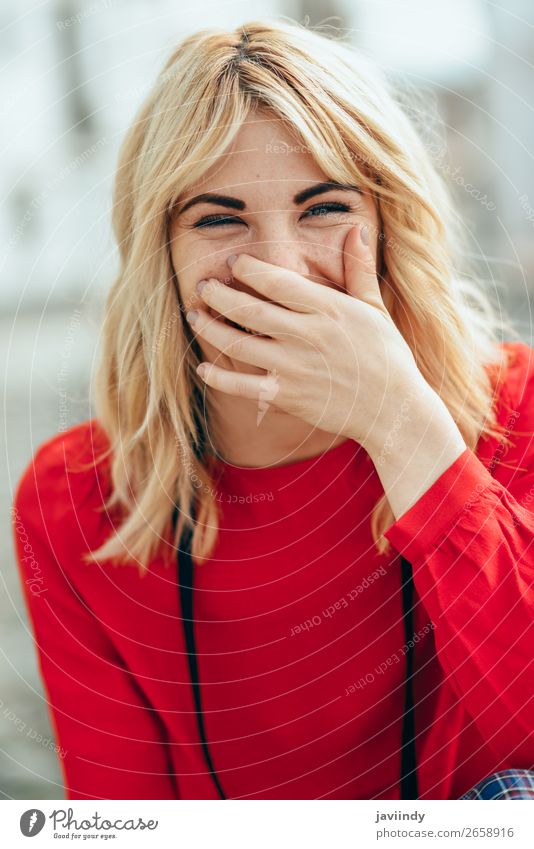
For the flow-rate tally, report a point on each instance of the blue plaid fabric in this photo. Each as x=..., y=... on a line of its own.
x=506, y=784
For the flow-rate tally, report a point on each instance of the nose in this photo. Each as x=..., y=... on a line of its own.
x=287, y=253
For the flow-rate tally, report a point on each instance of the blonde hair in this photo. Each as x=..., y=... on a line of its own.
x=149, y=399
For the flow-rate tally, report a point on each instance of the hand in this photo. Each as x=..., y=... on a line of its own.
x=334, y=359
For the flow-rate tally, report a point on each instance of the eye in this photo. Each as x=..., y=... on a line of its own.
x=321, y=209
x=316, y=211
x=213, y=220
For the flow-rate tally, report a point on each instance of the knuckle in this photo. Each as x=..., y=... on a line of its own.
x=311, y=329
x=244, y=313
x=337, y=308
x=331, y=310
x=239, y=347
x=315, y=329
x=305, y=333
x=277, y=287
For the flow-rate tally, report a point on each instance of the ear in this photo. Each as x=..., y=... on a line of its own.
x=361, y=280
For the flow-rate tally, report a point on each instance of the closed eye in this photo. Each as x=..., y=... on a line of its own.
x=316, y=211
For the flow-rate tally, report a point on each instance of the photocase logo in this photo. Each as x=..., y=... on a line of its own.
x=31, y=822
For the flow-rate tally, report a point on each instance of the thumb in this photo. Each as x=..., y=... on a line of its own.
x=359, y=266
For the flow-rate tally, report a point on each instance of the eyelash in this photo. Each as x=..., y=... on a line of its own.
x=212, y=220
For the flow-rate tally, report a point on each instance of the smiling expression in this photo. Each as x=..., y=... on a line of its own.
x=265, y=196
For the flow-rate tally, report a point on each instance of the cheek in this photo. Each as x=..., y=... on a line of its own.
x=327, y=254
x=186, y=285
x=192, y=264
x=326, y=257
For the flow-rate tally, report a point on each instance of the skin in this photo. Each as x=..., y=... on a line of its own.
x=331, y=364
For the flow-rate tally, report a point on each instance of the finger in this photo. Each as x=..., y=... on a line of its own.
x=233, y=342
x=361, y=280
x=247, y=310
x=279, y=284
x=258, y=387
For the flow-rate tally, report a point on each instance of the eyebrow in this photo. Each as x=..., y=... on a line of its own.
x=299, y=198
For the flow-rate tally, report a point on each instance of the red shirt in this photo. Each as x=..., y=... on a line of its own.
x=299, y=626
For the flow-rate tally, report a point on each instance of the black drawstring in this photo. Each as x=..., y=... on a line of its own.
x=185, y=586
x=408, y=779
x=185, y=574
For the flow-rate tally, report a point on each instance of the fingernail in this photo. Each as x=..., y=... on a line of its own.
x=192, y=316
x=231, y=259
x=364, y=234
x=200, y=285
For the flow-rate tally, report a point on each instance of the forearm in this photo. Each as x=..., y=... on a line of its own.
x=416, y=442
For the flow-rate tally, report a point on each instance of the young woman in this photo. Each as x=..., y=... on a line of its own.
x=291, y=555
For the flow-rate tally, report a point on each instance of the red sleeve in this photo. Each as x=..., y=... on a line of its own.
x=470, y=539
x=111, y=742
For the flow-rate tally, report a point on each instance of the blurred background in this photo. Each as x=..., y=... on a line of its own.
x=73, y=74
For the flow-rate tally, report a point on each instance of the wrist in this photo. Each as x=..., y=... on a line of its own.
x=415, y=420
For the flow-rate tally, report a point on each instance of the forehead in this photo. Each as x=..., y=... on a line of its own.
x=265, y=158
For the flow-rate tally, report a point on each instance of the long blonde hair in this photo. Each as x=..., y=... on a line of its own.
x=148, y=397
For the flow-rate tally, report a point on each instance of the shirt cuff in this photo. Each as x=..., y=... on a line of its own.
x=432, y=516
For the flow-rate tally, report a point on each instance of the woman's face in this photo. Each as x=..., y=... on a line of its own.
x=267, y=198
